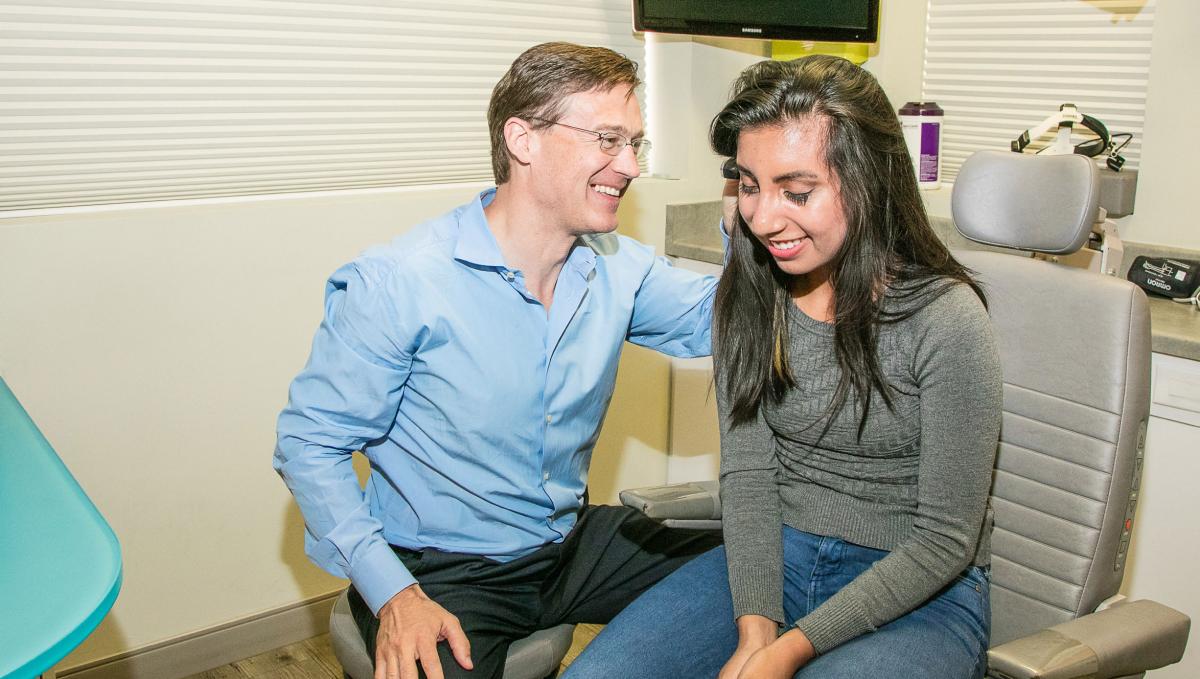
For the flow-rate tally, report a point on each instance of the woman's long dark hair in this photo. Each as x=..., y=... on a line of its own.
x=890, y=249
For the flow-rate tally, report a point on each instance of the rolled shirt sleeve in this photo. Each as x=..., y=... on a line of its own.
x=672, y=312
x=347, y=395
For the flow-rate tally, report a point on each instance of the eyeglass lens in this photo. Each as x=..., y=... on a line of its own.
x=613, y=144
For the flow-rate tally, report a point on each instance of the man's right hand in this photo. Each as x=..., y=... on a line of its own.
x=410, y=627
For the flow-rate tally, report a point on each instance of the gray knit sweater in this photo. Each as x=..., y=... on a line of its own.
x=916, y=484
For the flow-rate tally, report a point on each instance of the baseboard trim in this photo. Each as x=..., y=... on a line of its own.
x=203, y=650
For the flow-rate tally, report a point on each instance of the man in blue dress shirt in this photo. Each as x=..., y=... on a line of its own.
x=472, y=360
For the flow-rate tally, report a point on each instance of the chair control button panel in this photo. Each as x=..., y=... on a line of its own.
x=1131, y=506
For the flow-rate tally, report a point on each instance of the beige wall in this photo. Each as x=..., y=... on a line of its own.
x=896, y=61
x=1170, y=172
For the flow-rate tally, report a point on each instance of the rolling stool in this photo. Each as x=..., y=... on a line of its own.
x=537, y=656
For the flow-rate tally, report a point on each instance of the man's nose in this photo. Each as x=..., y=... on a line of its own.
x=626, y=162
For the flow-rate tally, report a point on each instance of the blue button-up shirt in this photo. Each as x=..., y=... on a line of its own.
x=477, y=410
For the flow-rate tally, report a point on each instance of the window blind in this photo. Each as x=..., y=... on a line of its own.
x=116, y=101
x=999, y=68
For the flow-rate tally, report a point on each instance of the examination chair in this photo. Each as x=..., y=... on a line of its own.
x=537, y=656
x=1075, y=351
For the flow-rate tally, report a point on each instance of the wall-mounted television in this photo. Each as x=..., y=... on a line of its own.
x=824, y=20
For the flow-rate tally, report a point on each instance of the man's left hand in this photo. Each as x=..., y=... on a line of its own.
x=781, y=658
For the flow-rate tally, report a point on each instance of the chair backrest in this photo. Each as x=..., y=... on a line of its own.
x=1075, y=351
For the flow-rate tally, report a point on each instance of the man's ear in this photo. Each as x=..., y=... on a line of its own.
x=519, y=140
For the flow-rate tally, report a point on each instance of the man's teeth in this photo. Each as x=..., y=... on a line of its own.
x=785, y=244
x=606, y=190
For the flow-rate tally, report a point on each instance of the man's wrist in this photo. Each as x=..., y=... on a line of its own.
x=411, y=593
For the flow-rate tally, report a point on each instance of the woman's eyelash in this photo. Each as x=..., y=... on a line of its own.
x=797, y=198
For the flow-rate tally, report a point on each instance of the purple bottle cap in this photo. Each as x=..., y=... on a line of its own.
x=921, y=108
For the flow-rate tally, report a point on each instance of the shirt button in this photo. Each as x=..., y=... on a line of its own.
x=545, y=476
x=549, y=419
x=508, y=276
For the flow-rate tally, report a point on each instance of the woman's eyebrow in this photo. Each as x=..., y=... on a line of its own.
x=806, y=175
x=797, y=174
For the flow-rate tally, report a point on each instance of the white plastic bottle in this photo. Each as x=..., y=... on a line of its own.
x=922, y=124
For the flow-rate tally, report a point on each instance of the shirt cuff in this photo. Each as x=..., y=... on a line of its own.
x=379, y=575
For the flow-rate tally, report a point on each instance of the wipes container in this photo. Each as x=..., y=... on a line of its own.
x=922, y=124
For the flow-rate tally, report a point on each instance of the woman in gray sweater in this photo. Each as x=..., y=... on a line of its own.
x=860, y=394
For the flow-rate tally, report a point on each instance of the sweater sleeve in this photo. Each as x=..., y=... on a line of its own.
x=750, y=515
x=957, y=371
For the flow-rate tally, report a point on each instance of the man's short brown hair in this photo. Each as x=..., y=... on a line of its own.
x=541, y=78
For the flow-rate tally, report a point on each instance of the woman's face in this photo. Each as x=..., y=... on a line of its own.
x=788, y=196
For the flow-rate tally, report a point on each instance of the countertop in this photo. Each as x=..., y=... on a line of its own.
x=1175, y=328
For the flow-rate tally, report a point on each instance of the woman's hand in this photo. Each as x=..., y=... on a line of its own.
x=755, y=632
x=780, y=659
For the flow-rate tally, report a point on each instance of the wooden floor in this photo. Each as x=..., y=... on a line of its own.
x=583, y=635
x=314, y=659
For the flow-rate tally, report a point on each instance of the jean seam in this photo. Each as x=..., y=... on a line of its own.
x=975, y=668
x=982, y=594
x=812, y=579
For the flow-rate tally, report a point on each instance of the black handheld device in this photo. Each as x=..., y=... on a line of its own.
x=729, y=170
x=1174, y=278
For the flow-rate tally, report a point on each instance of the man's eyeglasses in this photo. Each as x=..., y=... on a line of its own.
x=610, y=142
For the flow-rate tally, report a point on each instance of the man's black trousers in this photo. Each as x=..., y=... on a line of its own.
x=611, y=556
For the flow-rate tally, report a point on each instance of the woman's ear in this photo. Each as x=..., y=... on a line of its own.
x=519, y=140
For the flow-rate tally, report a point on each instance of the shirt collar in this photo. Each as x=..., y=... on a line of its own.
x=477, y=245
x=582, y=257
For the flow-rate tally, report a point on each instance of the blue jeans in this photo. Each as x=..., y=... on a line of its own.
x=684, y=625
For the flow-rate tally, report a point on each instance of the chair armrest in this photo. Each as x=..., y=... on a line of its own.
x=1127, y=639
x=695, y=501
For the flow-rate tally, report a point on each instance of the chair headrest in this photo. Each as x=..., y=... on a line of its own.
x=1028, y=202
